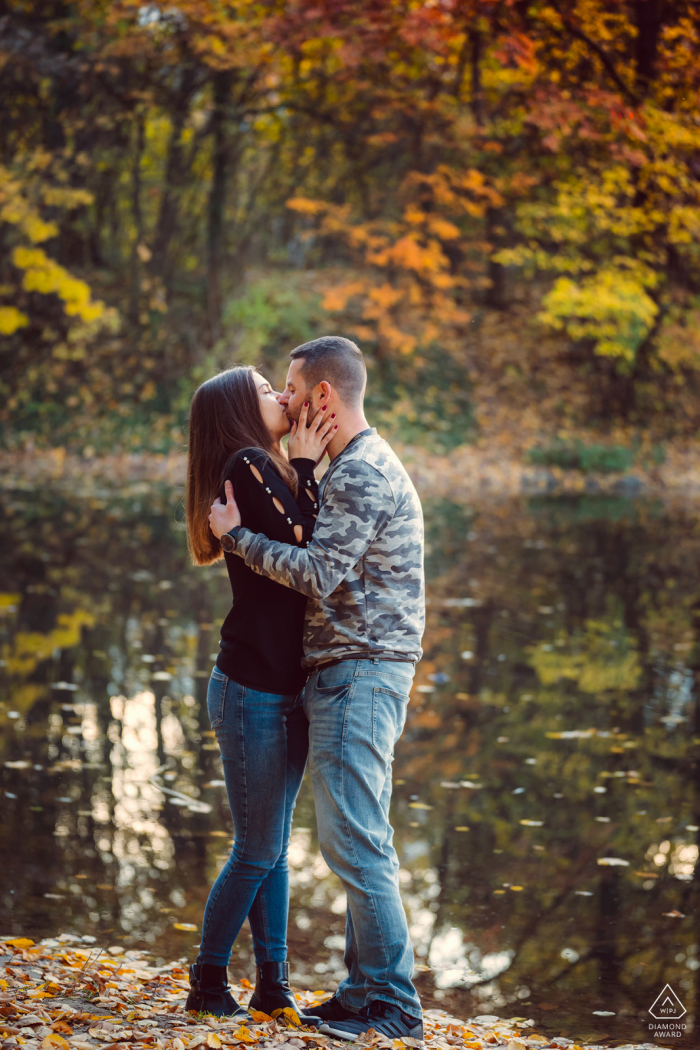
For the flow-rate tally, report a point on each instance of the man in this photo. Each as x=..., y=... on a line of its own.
x=363, y=575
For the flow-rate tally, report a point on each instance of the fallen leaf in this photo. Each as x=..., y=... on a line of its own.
x=54, y=1042
x=184, y=926
x=243, y=1035
x=286, y=1012
x=19, y=942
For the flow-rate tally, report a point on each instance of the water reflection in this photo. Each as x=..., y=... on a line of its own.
x=547, y=796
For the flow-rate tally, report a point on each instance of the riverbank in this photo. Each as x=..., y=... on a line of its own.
x=65, y=994
x=469, y=473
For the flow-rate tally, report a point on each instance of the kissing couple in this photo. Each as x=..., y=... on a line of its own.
x=317, y=658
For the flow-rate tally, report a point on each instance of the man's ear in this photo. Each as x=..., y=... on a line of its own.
x=325, y=391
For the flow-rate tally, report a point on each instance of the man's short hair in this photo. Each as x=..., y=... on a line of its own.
x=336, y=360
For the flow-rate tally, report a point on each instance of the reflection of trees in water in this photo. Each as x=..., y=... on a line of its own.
x=573, y=623
x=584, y=619
x=96, y=576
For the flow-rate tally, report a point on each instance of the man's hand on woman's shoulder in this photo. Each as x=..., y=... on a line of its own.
x=224, y=516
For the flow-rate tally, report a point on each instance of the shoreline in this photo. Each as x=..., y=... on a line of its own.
x=468, y=473
x=64, y=994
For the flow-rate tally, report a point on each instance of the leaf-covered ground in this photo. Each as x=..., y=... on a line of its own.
x=64, y=994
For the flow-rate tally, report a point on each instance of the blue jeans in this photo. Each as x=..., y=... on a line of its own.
x=356, y=712
x=263, y=739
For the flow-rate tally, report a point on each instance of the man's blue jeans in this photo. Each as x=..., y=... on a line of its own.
x=263, y=739
x=356, y=711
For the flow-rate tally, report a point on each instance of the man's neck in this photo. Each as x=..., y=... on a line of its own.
x=348, y=428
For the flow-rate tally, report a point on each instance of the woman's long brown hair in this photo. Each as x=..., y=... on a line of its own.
x=225, y=417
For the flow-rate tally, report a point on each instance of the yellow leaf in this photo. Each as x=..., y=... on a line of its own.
x=213, y=1040
x=258, y=1016
x=287, y=1012
x=20, y=942
x=243, y=1034
x=54, y=1042
x=184, y=926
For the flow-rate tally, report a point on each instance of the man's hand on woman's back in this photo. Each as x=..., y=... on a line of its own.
x=224, y=516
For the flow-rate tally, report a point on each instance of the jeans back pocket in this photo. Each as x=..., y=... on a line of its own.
x=216, y=697
x=388, y=719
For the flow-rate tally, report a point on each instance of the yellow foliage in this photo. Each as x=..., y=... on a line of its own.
x=611, y=307
x=42, y=274
x=603, y=658
x=11, y=319
x=29, y=648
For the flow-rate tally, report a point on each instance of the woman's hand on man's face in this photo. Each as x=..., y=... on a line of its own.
x=310, y=442
x=224, y=516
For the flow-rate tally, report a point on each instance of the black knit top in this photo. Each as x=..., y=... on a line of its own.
x=261, y=639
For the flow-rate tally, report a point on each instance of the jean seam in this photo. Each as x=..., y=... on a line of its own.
x=358, y=867
x=265, y=922
x=233, y=867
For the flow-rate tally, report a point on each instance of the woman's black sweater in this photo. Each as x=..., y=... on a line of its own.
x=261, y=639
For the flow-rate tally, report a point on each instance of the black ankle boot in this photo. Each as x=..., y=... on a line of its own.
x=210, y=993
x=272, y=992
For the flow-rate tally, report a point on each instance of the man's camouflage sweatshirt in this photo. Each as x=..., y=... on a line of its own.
x=362, y=571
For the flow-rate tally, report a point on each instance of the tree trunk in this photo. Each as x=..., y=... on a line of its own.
x=216, y=230
x=477, y=100
x=648, y=17
x=175, y=174
x=138, y=220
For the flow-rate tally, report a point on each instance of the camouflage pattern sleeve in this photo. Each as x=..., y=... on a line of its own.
x=357, y=502
x=362, y=570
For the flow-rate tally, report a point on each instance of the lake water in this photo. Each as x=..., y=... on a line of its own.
x=547, y=786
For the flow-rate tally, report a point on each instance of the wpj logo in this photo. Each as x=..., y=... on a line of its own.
x=668, y=1006
x=668, y=1011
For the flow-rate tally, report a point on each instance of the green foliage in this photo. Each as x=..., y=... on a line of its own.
x=605, y=459
x=275, y=313
x=428, y=405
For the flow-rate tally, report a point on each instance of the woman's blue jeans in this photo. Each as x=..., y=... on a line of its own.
x=263, y=739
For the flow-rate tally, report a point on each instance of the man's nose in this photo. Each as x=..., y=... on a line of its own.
x=283, y=398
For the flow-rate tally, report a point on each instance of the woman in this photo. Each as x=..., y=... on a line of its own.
x=254, y=694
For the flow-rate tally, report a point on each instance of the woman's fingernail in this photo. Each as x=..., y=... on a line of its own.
x=324, y=407
x=332, y=415
x=335, y=427
x=306, y=404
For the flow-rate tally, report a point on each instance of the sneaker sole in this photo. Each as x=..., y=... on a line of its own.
x=328, y=1028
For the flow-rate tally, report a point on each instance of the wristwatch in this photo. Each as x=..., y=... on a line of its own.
x=229, y=539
